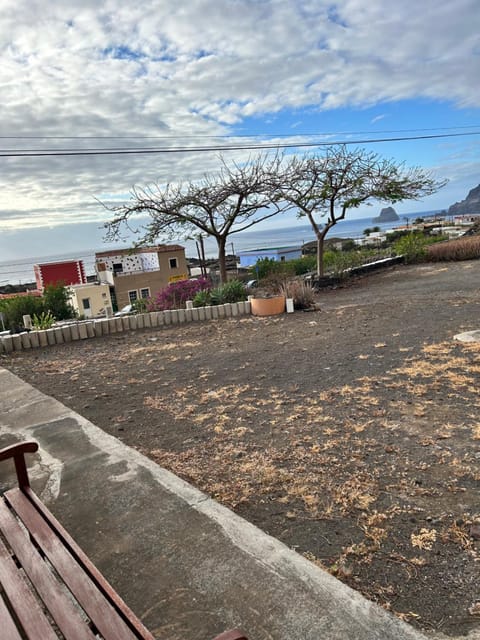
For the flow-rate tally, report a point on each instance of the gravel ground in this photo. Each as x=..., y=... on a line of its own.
x=351, y=433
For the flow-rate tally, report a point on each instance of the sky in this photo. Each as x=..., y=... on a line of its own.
x=93, y=74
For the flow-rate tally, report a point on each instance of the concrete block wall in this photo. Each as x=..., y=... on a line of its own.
x=106, y=326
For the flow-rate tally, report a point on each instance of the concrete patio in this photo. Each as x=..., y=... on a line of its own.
x=188, y=567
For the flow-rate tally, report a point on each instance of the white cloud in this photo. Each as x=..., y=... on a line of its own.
x=197, y=67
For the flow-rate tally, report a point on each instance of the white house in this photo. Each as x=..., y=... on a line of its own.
x=91, y=300
x=466, y=219
x=281, y=254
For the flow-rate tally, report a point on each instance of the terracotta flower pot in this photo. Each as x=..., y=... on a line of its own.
x=267, y=306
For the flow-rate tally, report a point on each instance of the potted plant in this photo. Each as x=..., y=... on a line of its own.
x=268, y=299
x=269, y=305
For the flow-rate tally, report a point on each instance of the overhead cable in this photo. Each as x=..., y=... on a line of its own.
x=33, y=153
x=235, y=136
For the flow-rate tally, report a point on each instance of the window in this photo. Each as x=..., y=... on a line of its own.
x=117, y=267
x=145, y=293
x=104, y=295
x=173, y=263
x=132, y=296
x=86, y=303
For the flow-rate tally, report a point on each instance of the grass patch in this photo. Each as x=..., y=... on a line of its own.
x=460, y=249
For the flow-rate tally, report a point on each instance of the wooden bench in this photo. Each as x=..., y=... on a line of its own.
x=49, y=589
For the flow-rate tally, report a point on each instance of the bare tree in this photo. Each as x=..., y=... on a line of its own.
x=233, y=200
x=329, y=186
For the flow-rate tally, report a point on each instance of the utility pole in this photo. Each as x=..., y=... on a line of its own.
x=235, y=258
x=202, y=249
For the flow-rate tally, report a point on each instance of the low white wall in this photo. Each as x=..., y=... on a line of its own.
x=96, y=328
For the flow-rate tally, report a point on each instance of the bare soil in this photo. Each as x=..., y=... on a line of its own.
x=351, y=433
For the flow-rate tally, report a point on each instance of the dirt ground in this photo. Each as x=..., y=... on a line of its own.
x=351, y=433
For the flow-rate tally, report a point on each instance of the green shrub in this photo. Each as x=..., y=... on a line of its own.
x=267, y=266
x=393, y=236
x=412, y=246
x=338, y=263
x=44, y=321
x=216, y=296
x=202, y=299
x=302, y=265
x=329, y=258
x=341, y=262
x=56, y=300
x=140, y=305
x=231, y=291
x=349, y=245
x=15, y=308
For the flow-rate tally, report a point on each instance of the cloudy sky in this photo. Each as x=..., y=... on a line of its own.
x=90, y=74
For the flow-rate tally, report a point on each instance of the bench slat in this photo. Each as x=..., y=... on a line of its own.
x=98, y=609
x=8, y=626
x=57, y=602
x=33, y=620
x=105, y=587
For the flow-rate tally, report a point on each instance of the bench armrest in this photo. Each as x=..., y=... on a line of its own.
x=17, y=452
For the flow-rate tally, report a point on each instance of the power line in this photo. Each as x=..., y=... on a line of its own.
x=34, y=153
x=237, y=135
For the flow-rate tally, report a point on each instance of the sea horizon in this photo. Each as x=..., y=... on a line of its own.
x=20, y=271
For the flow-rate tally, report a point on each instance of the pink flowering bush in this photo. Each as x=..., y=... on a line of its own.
x=177, y=293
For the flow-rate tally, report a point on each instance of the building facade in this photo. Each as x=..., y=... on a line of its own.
x=91, y=300
x=138, y=273
x=66, y=272
x=281, y=254
x=466, y=219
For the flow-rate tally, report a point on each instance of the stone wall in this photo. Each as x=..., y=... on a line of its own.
x=84, y=330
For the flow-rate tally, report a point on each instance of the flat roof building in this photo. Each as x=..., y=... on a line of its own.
x=281, y=254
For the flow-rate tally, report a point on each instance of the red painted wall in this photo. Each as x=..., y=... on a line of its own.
x=68, y=272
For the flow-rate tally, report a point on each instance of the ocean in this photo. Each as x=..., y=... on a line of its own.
x=20, y=271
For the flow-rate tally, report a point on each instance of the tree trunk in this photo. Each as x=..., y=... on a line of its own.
x=319, y=257
x=222, y=262
x=321, y=249
x=320, y=252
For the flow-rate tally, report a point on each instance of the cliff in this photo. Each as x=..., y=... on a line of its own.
x=471, y=204
x=387, y=215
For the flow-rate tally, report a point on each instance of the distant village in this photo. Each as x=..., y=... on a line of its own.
x=124, y=276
